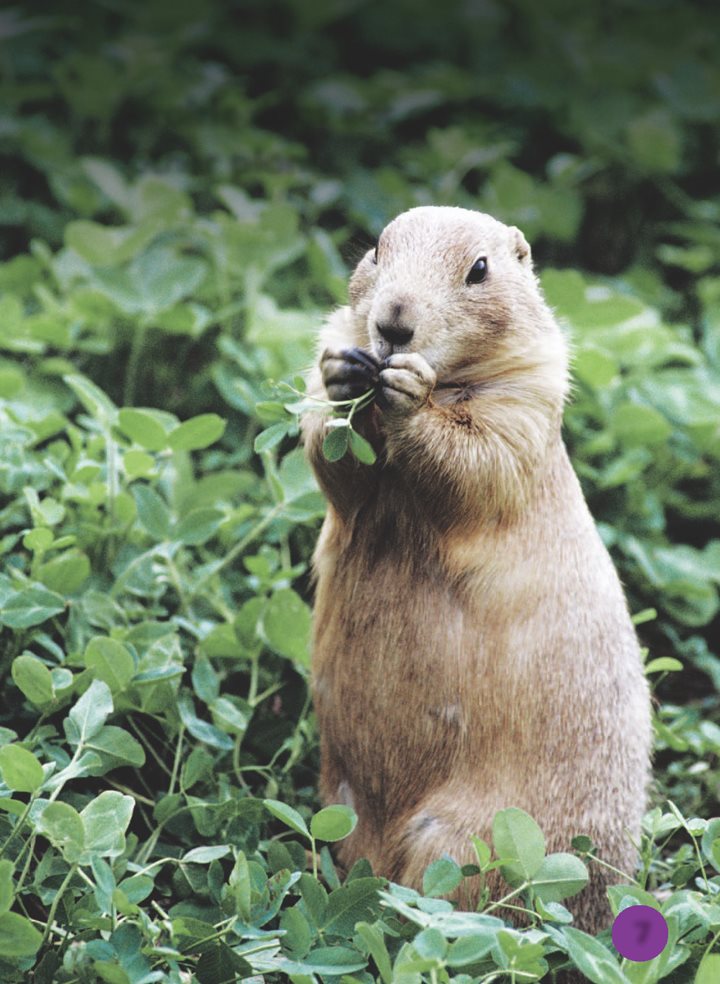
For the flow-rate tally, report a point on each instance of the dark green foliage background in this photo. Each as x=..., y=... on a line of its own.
x=183, y=190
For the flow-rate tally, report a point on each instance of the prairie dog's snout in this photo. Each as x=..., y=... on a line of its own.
x=394, y=319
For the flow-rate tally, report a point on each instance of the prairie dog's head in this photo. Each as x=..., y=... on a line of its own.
x=456, y=286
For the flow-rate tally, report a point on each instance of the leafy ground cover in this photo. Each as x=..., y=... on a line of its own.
x=181, y=194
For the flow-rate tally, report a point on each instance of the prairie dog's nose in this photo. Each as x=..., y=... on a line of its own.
x=392, y=326
x=395, y=332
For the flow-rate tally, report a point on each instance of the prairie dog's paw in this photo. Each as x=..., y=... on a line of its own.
x=348, y=373
x=406, y=382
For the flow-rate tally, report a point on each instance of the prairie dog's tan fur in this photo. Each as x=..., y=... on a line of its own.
x=472, y=644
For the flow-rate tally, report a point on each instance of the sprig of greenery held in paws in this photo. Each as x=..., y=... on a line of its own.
x=353, y=377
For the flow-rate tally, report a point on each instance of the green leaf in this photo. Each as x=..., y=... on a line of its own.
x=104, y=883
x=350, y=903
x=592, y=957
x=430, y=944
x=239, y=882
x=89, y=713
x=470, y=949
x=221, y=643
x=205, y=855
x=519, y=842
x=156, y=280
x=441, y=877
x=105, y=246
x=18, y=936
x=218, y=964
x=362, y=449
x=482, y=851
x=270, y=437
x=98, y=405
x=197, y=433
x=110, y=181
x=333, y=823
x=153, y=512
x=119, y=744
x=105, y=820
x=638, y=425
x=198, y=766
x=39, y=539
x=655, y=141
x=202, y=730
x=110, y=662
x=646, y=615
x=330, y=960
x=709, y=970
x=63, y=827
x=65, y=573
x=710, y=842
x=559, y=877
x=12, y=381
x=31, y=606
x=184, y=319
x=299, y=935
x=553, y=912
x=315, y=898
x=286, y=623
x=227, y=715
x=33, y=678
x=374, y=941
x=20, y=769
x=143, y=427
x=663, y=664
x=336, y=443
x=289, y=817
x=137, y=887
x=138, y=464
x=199, y=526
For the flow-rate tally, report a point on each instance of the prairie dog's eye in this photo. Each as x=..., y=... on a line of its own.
x=478, y=271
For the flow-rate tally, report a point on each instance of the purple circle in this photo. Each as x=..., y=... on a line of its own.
x=640, y=933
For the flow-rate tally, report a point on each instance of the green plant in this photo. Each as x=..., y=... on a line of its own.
x=180, y=191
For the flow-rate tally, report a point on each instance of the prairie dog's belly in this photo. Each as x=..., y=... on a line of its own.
x=388, y=673
x=431, y=659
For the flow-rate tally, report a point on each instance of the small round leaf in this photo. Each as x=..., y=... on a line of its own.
x=333, y=823
x=289, y=817
x=20, y=769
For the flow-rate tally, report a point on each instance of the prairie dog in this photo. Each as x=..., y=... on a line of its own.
x=472, y=647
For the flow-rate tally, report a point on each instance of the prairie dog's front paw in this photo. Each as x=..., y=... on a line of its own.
x=406, y=382
x=348, y=373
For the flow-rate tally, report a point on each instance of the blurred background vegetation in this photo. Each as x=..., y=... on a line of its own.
x=183, y=190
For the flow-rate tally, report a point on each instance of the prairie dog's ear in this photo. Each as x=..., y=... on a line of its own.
x=520, y=245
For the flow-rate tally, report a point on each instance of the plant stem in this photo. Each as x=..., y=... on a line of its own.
x=21, y=881
x=21, y=820
x=237, y=550
x=501, y=902
x=176, y=760
x=254, y=672
x=56, y=902
x=610, y=867
x=136, y=349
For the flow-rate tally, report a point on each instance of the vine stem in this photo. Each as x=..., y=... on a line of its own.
x=502, y=902
x=136, y=349
x=56, y=902
x=176, y=760
x=23, y=817
x=237, y=550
